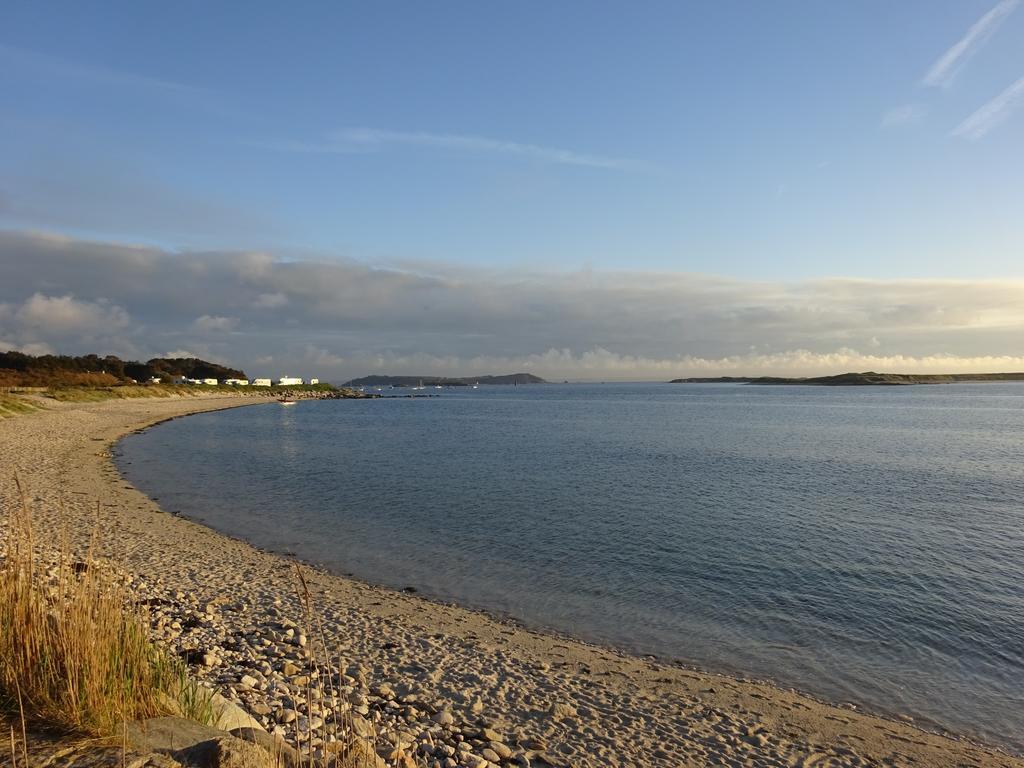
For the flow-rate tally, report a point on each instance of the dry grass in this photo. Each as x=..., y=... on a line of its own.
x=358, y=741
x=131, y=391
x=127, y=391
x=73, y=653
x=12, y=405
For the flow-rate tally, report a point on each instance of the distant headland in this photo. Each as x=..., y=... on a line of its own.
x=443, y=381
x=867, y=378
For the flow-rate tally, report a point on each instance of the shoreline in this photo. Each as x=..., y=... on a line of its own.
x=580, y=703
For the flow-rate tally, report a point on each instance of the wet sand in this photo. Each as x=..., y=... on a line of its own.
x=429, y=675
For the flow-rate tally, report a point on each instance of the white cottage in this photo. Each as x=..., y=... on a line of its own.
x=262, y=383
x=289, y=381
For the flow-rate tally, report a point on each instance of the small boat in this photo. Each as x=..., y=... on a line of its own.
x=438, y=386
x=286, y=401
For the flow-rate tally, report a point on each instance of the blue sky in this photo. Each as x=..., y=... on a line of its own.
x=744, y=139
x=788, y=186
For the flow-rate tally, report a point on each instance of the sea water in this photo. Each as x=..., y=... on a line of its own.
x=863, y=544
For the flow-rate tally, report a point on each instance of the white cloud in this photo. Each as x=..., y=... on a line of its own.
x=347, y=318
x=270, y=301
x=315, y=355
x=365, y=139
x=184, y=353
x=36, y=348
x=945, y=68
x=60, y=314
x=905, y=114
x=979, y=124
x=215, y=324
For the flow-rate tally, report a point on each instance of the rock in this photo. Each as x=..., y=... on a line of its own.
x=193, y=744
x=355, y=752
x=502, y=750
x=487, y=734
x=166, y=734
x=559, y=711
x=227, y=715
x=490, y=755
x=225, y=752
x=444, y=717
x=287, y=755
x=285, y=716
x=250, y=681
x=288, y=669
x=362, y=727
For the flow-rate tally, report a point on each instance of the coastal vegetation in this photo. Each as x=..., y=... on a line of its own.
x=79, y=670
x=18, y=369
x=13, y=405
x=74, y=653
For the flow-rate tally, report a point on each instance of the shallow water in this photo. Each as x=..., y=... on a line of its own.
x=862, y=544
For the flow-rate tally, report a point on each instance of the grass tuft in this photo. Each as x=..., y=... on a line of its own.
x=12, y=405
x=73, y=652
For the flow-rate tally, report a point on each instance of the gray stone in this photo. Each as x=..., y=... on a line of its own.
x=285, y=716
x=227, y=715
x=444, y=717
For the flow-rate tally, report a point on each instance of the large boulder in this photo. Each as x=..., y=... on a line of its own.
x=195, y=745
x=228, y=716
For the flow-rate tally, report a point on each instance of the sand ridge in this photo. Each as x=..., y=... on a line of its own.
x=431, y=675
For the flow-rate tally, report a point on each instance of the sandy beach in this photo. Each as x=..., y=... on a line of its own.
x=455, y=686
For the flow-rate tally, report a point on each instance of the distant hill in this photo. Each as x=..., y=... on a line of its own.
x=444, y=381
x=867, y=378
x=18, y=369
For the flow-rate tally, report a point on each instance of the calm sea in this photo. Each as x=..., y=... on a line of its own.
x=862, y=544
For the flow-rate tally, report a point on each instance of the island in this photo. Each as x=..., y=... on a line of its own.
x=867, y=378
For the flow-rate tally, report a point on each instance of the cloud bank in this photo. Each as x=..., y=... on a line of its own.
x=337, y=319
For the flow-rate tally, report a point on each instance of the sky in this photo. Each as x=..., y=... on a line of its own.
x=584, y=190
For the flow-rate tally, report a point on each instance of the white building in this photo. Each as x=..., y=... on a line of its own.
x=262, y=382
x=194, y=381
x=314, y=381
x=237, y=382
x=289, y=381
x=210, y=382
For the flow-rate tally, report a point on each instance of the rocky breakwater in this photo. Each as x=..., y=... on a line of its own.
x=320, y=702
x=342, y=393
